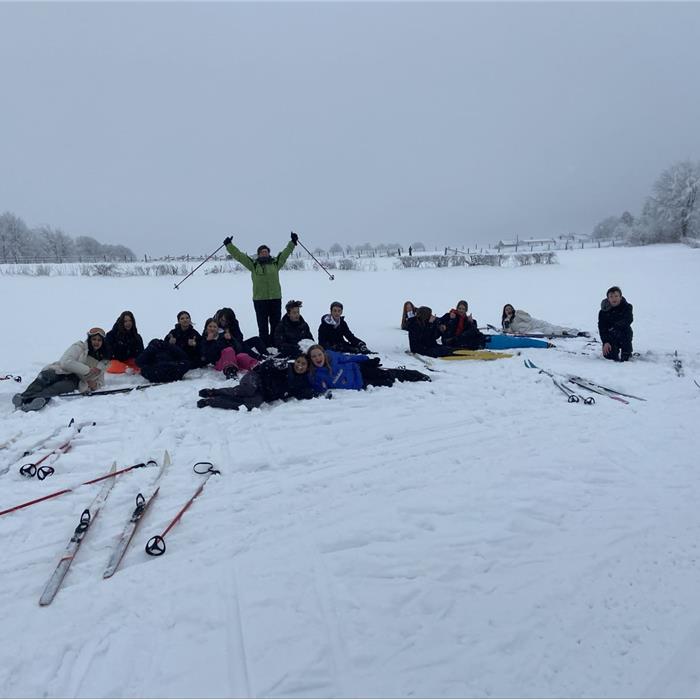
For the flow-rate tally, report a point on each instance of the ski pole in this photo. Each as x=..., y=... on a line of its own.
x=177, y=286
x=33, y=468
x=106, y=392
x=156, y=545
x=316, y=260
x=55, y=494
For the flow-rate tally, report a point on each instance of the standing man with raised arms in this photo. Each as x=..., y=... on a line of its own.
x=267, y=293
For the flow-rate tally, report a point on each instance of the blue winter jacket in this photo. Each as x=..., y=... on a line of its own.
x=344, y=372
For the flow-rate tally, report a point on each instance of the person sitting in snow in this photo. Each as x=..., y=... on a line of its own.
x=520, y=322
x=461, y=329
x=219, y=349
x=81, y=367
x=334, y=333
x=409, y=312
x=423, y=333
x=186, y=337
x=290, y=330
x=271, y=380
x=231, y=330
x=124, y=343
x=615, y=326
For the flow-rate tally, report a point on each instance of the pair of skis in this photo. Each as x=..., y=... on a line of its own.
x=155, y=546
x=108, y=392
x=587, y=384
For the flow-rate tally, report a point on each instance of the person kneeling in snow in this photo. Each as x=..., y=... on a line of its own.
x=334, y=333
x=271, y=380
x=81, y=367
x=615, y=326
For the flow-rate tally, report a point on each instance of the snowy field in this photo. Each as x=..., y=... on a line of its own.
x=473, y=536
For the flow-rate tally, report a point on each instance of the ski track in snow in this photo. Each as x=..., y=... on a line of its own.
x=472, y=536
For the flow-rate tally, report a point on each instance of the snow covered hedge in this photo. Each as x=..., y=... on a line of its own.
x=468, y=260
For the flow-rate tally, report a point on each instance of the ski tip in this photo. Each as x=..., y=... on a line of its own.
x=166, y=459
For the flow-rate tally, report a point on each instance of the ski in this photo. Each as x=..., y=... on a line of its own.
x=86, y=519
x=29, y=449
x=500, y=331
x=31, y=469
x=107, y=392
x=678, y=364
x=477, y=355
x=585, y=384
x=572, y=396
x=695, y=381
x=425, y=361
x=142, y=505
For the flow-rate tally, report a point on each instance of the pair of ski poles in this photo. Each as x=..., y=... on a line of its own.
x=209, y=257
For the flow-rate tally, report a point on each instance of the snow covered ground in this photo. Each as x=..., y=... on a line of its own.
x=473, y=536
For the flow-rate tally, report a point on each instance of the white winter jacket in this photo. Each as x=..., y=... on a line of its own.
x=524, y=324
x=76, y=361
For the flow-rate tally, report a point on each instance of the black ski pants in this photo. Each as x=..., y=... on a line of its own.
x=267, y=313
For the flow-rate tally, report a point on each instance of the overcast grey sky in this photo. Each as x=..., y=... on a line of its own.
x=166, y=126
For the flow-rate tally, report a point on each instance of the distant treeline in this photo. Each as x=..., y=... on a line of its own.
x=20, y=243
x=671, y=213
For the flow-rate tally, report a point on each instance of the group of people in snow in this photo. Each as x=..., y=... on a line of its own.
x=274, y=364
x=457, y=329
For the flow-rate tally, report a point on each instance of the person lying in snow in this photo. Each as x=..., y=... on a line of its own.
x=219, y=349
x=520, y=322
x=290, y=330
x=335, y=370
x=334, y=333
x=271, y=380
x=81, y=367
x=164, y=362
x=615, y=326
x=124, y=344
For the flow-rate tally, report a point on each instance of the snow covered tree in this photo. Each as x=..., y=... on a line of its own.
x=605, y=229
x=14, y=238
x=673, y=207
x=418, y=246
x=336, y=249
x=55, y=243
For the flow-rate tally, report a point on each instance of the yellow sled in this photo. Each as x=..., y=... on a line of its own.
x=476, y=355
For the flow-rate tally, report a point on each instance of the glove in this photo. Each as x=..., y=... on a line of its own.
x=362, y=348
x=295, y=238
x=374, y=362
x=228, y=240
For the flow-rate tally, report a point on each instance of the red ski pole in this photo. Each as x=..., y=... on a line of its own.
x=156, y=545
x=56, y=494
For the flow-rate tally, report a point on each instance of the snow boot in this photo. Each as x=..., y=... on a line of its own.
x=35, y=404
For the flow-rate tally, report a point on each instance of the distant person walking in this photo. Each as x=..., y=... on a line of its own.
x=410, y=250
x=267, y=293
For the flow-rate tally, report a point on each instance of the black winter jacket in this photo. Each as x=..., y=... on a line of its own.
x=615, y=322
x=288, y=333
x=123, y=346
x=422, y=338
x=279, y=381
x=338, y=337
x=181, y=338
x=163, y=362
x=210, y=350
x=470, y=337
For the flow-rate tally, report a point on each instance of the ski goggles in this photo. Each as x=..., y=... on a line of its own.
x=96, y=331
